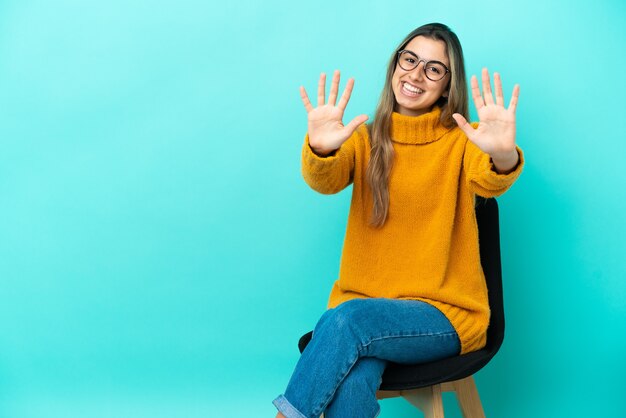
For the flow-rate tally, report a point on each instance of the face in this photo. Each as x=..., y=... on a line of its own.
x=415, y=94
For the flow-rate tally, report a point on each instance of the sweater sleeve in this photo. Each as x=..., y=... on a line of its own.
x=332, y=173
x=481, y=174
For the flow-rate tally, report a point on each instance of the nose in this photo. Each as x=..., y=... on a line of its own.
x=417, y=73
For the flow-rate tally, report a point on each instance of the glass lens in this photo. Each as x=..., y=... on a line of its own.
x=407, y=61
x=435, y=71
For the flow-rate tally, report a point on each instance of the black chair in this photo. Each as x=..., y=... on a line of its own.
x=422, y=384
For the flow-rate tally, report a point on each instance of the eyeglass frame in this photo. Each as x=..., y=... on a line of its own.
x=400, y=52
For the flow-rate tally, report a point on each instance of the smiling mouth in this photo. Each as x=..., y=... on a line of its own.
x=411, y=90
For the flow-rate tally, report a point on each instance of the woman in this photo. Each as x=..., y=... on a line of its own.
x=411, y=288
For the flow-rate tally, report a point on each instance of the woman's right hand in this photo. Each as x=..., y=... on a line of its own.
x=326, y=129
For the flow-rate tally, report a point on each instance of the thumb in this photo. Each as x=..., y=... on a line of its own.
x=463, y=124
x=356, y=122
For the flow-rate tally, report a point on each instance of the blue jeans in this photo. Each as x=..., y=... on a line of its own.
x=340, y=370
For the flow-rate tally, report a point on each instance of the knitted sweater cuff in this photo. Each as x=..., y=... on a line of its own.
x=329, y=174
x=489, y=183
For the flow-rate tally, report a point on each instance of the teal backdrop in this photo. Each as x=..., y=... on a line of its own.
x=160, y=254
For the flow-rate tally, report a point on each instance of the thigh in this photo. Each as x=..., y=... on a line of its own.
x=402, y=331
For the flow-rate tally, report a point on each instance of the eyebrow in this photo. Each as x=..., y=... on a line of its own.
x=427, y=60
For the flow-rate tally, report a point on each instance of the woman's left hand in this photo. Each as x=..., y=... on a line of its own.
x=495, y=133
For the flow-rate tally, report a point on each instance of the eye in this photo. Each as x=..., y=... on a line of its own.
x=434, y=69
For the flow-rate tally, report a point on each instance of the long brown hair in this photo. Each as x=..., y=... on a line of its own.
x=381, y=158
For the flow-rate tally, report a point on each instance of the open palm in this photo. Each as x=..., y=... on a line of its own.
x=495, y=134
x=325, y=122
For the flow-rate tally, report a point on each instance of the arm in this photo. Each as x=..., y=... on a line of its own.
x=491, y=155
x=482, y=175
x=332, y=173
x=328, y=152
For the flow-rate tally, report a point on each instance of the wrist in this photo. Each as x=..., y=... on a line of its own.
x=320, y=152
x=505, y=164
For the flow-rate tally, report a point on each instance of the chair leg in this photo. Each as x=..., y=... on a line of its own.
x=468, y=398
x=427, y=399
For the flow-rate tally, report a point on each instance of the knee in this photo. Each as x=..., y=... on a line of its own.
x=344, y=318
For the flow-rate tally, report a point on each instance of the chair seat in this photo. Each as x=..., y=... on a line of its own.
x=415, y=376
x=404, y=377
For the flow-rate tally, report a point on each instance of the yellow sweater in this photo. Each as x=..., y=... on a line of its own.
x=428, y=248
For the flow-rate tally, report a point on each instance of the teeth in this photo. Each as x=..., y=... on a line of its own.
x=412, y=89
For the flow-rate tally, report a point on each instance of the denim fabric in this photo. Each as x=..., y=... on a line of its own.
x=340, y=370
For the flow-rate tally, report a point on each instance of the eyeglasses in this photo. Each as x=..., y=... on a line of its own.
x=434, y=70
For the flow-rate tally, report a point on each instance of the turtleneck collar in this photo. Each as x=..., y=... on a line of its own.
x=417, y=129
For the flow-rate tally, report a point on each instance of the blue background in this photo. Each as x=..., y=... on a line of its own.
x=160, y=254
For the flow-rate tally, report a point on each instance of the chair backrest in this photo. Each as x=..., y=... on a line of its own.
x=487, y=217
